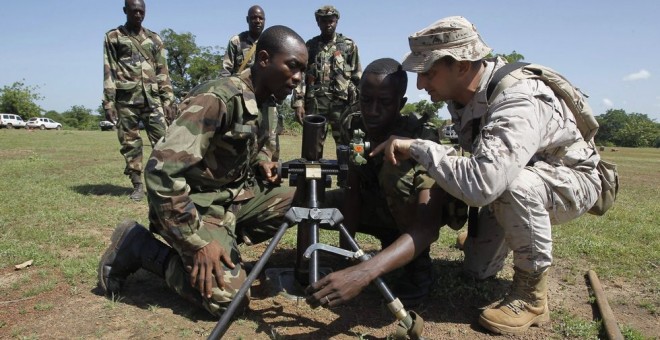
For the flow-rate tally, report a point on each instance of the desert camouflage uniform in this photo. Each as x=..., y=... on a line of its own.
x=137, y=89
x=331, y=80
x=201, y=181
x=388, y=191
x=237, y=50
x=520, y=172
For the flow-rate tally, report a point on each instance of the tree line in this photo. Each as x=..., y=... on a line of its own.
x=191, y=65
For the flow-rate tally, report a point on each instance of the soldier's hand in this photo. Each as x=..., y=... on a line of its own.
x=394, y=149
x=300, y=113
x=338, y=287
x=111, y=115
x=269, y=171
x=207, y=264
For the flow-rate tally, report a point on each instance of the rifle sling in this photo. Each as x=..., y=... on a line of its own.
x=248, y=56
x=147, y=56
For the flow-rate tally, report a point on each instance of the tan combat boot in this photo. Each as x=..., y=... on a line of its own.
x=524, y=306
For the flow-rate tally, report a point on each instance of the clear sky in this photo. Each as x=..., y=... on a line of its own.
x=610, y=49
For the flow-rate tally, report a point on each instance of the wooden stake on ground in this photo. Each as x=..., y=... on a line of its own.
x=609, y=322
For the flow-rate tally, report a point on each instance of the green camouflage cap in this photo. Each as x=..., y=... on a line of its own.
x=326, y=11
x=451, y=36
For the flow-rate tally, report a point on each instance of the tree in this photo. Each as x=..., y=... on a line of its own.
x=189, y=64
x=639, y=131
x=79, y=118
x=631, y=130
x=512, y=57
x=54, y=115
x=206, y=65
x=610, y=123
x=425, y=108
x=20, y=99
x=288, y=116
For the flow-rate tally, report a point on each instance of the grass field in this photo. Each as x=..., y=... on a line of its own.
x=62, y=192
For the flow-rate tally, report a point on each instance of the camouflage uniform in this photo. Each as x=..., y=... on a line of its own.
x=137, y=89
x=237, y=50
x=201, y=181
x=520, y=172
x=332, y=77
x=388, y=191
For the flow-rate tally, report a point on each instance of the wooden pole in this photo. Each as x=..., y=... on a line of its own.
x=609, y=322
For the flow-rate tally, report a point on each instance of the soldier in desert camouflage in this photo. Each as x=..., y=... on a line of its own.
x=136, y=88
x=211, y=182
x=529, y=167
x=334, y=71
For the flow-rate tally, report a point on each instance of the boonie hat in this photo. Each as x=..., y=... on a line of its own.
x=326, y=11
x=452, y=36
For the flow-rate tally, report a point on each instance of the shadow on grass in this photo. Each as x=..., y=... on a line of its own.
x=102, y=190
x=146, y=291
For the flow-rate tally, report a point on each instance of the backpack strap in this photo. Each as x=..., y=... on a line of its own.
x=473, y=212
x=498, y=83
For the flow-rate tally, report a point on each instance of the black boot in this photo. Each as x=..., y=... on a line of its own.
x=417, y=281
x=138, y=187
x=132, y=247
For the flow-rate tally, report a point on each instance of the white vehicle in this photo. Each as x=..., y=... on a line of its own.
x=43, y=124
x=10, y=121
x=107, y=125
x=449, y=133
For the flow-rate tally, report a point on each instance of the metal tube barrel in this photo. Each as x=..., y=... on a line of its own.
x=313, y=136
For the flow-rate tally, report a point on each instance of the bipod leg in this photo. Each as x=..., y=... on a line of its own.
x=308, y=234
x=222, y=325
x=411, y=325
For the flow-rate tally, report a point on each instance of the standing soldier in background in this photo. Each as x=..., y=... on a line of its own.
x=240, y=55
x=240, y=49
x=333, y=75
x=136, y=88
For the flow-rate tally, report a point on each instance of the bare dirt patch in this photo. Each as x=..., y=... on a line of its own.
x=148, y=309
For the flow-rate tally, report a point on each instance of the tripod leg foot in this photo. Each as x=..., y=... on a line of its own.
x=415, y=330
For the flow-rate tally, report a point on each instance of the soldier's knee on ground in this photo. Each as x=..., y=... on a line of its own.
x=221, y=298
x=178, y=279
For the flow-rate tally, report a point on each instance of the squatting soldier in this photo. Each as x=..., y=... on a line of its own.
x=211, y=182
x=334, y=71
x=239, y=54
x=136, y=87
x=530, y=167
x=400, y=205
